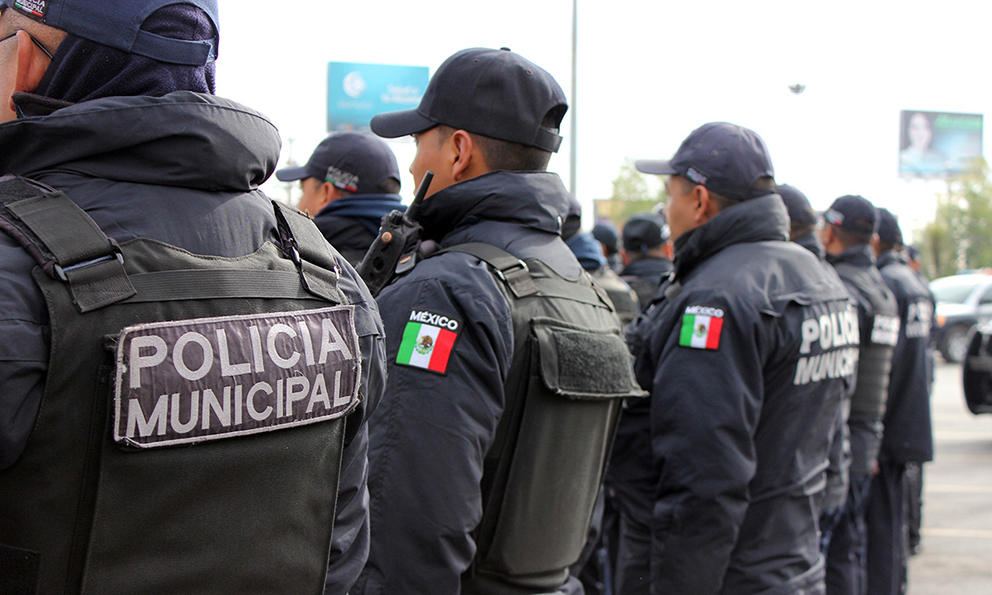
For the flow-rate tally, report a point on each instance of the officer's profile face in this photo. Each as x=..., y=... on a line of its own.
x=430, y=156
x=681, y=207
x=23, y=58
x=8, y=55
x=312, y=200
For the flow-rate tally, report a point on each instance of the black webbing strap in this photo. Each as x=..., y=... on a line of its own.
x=204, y=284
x=523, y=281
x=65, y=242
x=513, y=271
x=301, y=241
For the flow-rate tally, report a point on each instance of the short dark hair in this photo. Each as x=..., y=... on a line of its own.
x=510, y=156
x=850, y=239
x=764, y=183
x=387, y=186
x=884, y=246
x=798, y=229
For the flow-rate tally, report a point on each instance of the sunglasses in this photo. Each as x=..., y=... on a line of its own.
x=36, y=42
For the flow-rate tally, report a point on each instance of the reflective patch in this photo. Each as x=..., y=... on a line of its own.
x=187, y=381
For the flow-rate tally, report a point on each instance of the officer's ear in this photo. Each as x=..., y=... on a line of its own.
x=669, y=250
x=30, y=64
x=468, y=159
x=706, y=206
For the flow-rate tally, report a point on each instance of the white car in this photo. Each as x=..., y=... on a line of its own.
x=963, y=301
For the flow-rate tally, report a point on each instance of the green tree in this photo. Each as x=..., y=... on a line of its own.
x=632, y=193
x=960, y=236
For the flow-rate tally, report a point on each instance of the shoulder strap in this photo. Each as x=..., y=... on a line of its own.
x=302, y=242
x=510, y=269
x=520, y=277
x=65, y=242
x=70, y=247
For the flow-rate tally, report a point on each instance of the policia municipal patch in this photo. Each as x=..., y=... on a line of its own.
x=210, y=378
x=427, y=342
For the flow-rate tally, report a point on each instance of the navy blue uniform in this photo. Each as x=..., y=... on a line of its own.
x=430, y=435
x=878, y=322
x=745, y=354
x=908, y=435
x=113, y=158
x=645, y=276
x=351, y=223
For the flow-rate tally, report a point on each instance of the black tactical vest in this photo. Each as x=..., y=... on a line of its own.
x=570, y=371
x=624, y=298
x=192, y=424
x=871, y=391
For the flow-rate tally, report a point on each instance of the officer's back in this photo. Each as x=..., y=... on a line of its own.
x=478, y=484
x=155, y=432
x=743, y=392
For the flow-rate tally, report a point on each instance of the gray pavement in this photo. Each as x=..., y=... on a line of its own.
x=957, y=491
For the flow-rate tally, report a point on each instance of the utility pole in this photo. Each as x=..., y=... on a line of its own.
x=573, y=141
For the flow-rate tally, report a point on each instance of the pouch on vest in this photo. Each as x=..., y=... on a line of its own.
x=154, y=467
x=570, y=372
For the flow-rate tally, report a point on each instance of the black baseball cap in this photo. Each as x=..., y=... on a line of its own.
x=853, y=213
x=117, y=24
x=645, y=231
x=606, y=234
x=800, y=211
x=352, y=161
x=725, y=158
x=888, y=227
x=494, y=93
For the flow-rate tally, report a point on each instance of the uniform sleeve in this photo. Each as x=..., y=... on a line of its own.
x=706, y=400
x=350, y=543
x=430, y=434
x=23, y=350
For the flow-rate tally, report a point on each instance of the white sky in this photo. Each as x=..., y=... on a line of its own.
x=649, y=73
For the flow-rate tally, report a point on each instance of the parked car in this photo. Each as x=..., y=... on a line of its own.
x=978, y=371
x=963, y=301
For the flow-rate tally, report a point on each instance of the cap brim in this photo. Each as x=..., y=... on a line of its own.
x=291, y=174
x=661, y=167
x=401, y=123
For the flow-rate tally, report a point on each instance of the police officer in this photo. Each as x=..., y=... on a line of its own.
x=908, y=435
x=606, y=234
x=802, y=230
x=469, y=453
x=196, y=483
x=802, y=219
x=592, y=256
x=743, y=351
x=349, y=183
x=850, y=225
x=647, y=252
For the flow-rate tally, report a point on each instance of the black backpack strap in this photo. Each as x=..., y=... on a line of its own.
x=522, y=280
x=302, y=242
x=510, y=269
x=65, y=242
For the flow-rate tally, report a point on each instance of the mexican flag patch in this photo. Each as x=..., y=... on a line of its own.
x=427, y=341
x=701, y=327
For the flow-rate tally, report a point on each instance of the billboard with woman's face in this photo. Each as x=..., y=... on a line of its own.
x=938, y=144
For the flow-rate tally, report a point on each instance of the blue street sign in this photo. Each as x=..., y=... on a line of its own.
x=356, y=92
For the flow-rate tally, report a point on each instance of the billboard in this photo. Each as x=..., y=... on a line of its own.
x=938, y=144
x=356, y=92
